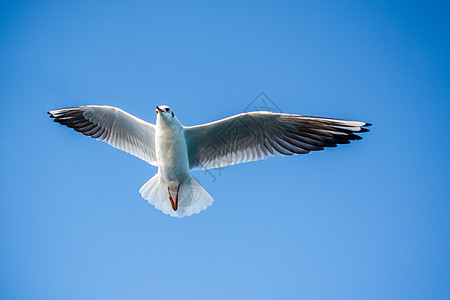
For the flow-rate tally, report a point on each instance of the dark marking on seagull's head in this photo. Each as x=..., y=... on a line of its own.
x=164, y=112
x=163, y=109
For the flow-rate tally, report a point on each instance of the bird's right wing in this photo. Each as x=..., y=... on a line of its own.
x=258, y=135
x=113, y=126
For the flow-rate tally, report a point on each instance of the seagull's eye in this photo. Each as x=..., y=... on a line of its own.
x=167, y=109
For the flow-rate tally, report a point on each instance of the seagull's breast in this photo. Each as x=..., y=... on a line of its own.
x=171, y=153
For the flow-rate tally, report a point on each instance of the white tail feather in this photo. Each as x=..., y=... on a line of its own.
x=192, y=198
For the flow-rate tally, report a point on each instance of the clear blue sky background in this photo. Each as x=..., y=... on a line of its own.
x=368, y=220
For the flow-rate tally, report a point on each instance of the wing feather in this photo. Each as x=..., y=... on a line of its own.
x=113, y=126
x=258, y=135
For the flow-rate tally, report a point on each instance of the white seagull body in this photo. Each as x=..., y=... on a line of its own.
x=176, y=149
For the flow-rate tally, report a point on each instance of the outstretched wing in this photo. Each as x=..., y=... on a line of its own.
x=113, y=126
x=258, y=135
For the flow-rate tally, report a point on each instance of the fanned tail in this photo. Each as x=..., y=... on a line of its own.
x=192, y=198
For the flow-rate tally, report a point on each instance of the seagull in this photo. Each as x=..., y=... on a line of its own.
x=176, y=149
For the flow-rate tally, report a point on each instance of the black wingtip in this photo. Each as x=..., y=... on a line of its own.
x=368, y=124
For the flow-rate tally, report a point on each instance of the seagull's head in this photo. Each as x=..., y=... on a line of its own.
x=164, y=113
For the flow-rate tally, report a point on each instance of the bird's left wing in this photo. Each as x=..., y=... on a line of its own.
x=258, y=135
x=113, y=126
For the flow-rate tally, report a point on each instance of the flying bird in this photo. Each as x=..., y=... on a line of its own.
x=176, y=149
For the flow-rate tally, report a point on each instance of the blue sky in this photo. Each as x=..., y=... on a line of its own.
x=369, y=220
